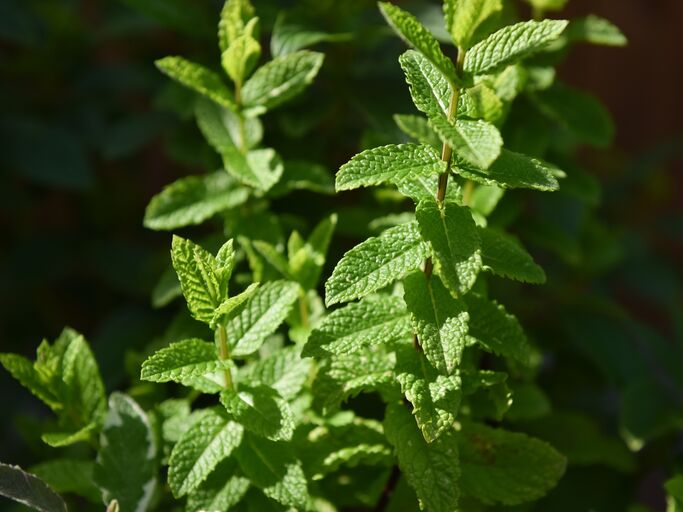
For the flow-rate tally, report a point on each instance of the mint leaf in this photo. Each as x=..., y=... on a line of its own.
x=595, y=30
x=307, y=259
x=192, y=200
x=259, y=316
x=504, y=256
x=418, y=128
x=477, y=142
x=197, y=78
x=60, y=438
x=83, y=386
x=261, y=410
x=274, y=469
x=376, y=263
x=511, y=44
x=463, y=17
x=495, y=329
x=506, y=467
x=432, y=469
x=439, y=320
x=430, y=91
x=229, y=305
x=126, y=468
x=285, y=371
x=240, y=58
x=513, y=170
x=69, y=476
x=392, y=164
x=454, y=238
x=182, y=360
x=417, y=36
x=280, y=80
x=236, y=16
x=27, y=489
x=372, y=321
x=424, y=188
x=435, y=398
x=23, y=370
x=196, y=269
x=223, y=489
x=200, y=449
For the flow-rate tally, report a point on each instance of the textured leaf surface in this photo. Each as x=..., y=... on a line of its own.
x=198, y=78
x=192, y=200
x=430, y=91
x=258, y=317
x=497, y=330
x=432, y=469
x=181, y=360
x=285, y=371
x=505, y=256
x=223, y=489
x=477, y=142
x=27, y=489
x=234, y=20
x=463, y=17
x=435, y=398
x=22, y=370
x=418, y=128
x=417, y=36
x=389, y=164
x=240, y=57
x=200, y=449
x=375, y=263
x=595, y=30
x=514, y=170
x=83, y=386
x=127, y=467
x=372, y=321
x=281, y=79
x=196, y=269
x=454, y=238
x=439, y=320
x=261, y=410
x=69, y=476
x=273, y=468
x=511, y=44
x=425, y=188
x=506, y=467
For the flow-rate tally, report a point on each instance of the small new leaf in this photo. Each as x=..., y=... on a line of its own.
x=463, y=17
x=504, y=256
x=241, y=57
x=261, y=410
x=182, y=360
x=198, y=78
x=478, y=142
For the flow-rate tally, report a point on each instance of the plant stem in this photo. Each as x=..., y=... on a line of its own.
x=224, y=354
x=303, y=308
x=388, y=489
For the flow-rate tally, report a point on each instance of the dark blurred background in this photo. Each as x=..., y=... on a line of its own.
x=87, y=136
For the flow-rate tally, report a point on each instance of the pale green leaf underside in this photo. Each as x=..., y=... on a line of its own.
x=511, y=44
x=200, y=449
x=506, y=467
x=261, y=410
x=454, y=238
x=389, y=164
x=182, y=360
x=432, y=469
x=505, y=257
x=439, y=320
x=198, y=78
x=372, y=321
x=259, y=316
x=27, y=489
x=375, y=263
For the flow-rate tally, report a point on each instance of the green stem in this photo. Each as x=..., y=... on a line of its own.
x=303, y=309
x=224, y=354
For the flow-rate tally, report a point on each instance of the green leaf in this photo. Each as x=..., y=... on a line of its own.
x=303, y=175
x=577, y=111
x=27, y=489
x=306, y=262
x=506, y=467
x=192, y=200
x=259, y=316
x=478, y=142
x=430, y=91
x=376, y=263
x=200, y=449
x=418, y=128
x=241, y=57
x=235, y=18
x=548, y=5
x=392, y=164
x=197, y=78
x=488, y=394
x=511, y=44
x=22, y=370
x=497, y=330
x=372, y=321
x=261, y=410
x=503, y=255
x=424, y=188
x=223, y=489
x=481, y=101
x=287, y=38
x=69, y=476
x=595, y=30
x=452, y=233
x=59, y=439
x=417, y=36
x=182, y=360
x=285, y=371
x=514, y=170
x=435, y=398
x=439, y=320
x=463, y=17
x=225, y=310
x=432, y=469
x=196, y=269
x=674, y=488
x=83, y=386
x=127, y=467
x=280, y=80
x=274, y=469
